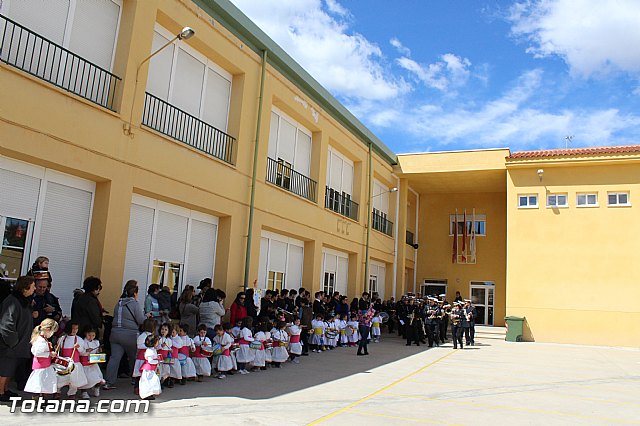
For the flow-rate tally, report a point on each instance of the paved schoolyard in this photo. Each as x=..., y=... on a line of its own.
x=493, y=383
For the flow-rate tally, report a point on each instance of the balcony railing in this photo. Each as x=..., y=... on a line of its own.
x=409, y=238
x=379, y=222
x=184, y=127
x=281, y=174
x=42, y=58
x=341, y=203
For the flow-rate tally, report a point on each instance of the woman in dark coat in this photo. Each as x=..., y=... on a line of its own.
x=16, y=325
x=86, y=309
x=252, y=311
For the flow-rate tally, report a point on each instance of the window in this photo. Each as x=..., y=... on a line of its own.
x=188, y=80
x=377, y=278
x=290, y=142
x=373, y=284
x=339, y=172
x=587, y=200
x=283, y=174
x=281, y=261
x=480, y=223
x=557, y=200
x=527, y=201
x=380, y=198
x=618, y=199
x=167, y=274
x=329, y=284
x=335, y=267
x=275, y=280
x=434, y=287
x=12, y=250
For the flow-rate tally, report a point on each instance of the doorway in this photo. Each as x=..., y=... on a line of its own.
x=482, y=297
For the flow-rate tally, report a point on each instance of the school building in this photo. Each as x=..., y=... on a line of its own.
x=133, y=148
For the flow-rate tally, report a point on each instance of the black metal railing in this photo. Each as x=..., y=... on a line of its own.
x=34, y=54
x=184, y=127
x=280, y=173
x=409, y=239
x=379, y=222
x=340, y=203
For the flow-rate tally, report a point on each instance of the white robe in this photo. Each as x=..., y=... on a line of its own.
x=42, y=380
x=224, y=363
x=188, y=368
x=203, y=366
x=317, y=339
x=355, y=337
x=140, y=346
x=343, y=336
x=280, y=353
x=149, y=380
x=260, y=357
x=245, y=354
x=76, y=379
x=164, y=369
x=91, y=371
x=175, y=371
x=295, y=348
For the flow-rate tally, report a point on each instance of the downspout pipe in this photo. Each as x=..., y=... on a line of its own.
x=247, y=259
x=369, y=210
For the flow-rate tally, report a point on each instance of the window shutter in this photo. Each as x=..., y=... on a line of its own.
x=330, y=262
x=295, y=262
x=302, y=163
x=216, y=101
x=171, y=237
x=286, y=141
x=139, y=245
x=342, y=277
x=19, y=195
x=160, y=68
x=277, y=256
x=273, y=135
x=187, y=84
x=347, y=178
x=47, y=18
x=336, y=172
x=262, y=267
x=63, y=238
x=93, y=33
x=202, y=245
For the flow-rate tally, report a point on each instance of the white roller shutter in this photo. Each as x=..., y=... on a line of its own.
x=216, y=101
x=47, y=18
x=19, y=195
x=202, y=244
x=94, y=31
x=336, y=172
x=63, y=238
x=330, y=262
x=187, y=85
x=277, y=256
x=160, y=68
x=342, y=277
x=171, y=237
x=302, y=161
x=262, y=266
x=347, y=178
x=273, y=135
x=286, y=141
x=294, y=267
x=139, y=245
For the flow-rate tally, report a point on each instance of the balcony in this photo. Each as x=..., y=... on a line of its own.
x=409, y=239
x=184, y=127
x=341, y=203
x=44, y=59
x=280, y=173
x=379, y=222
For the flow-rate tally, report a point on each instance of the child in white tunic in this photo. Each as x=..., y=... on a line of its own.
x=91, y=370
x=331, y=341
x=280, y=343
x=69, y=346
x=343, y=332
x=260, y=358
x=148, y=328
x=227, y=329
x=225, y=362
x=354, y=338
x=295, y=347
x=203, y=366
x=317, y=339
x=149, y=380
x=187, y=367
x=165, y=350
x=245, y=354
x=375, y=327
x=42, y=380
x=175, y=371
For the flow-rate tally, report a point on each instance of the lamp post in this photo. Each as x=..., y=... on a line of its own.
x=185, y=34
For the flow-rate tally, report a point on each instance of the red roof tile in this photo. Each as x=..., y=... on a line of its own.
x=596, y=150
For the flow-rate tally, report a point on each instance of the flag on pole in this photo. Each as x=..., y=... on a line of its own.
x=464, y=237
x=454, y=257
x=472, y=239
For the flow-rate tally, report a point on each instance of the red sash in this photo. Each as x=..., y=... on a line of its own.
x=67, y=352
x=148, y=367
x=197, y=353
x=174, y=352
x=164, y=353
x=140, y=354
x=295, y=338
x=244, y=342
x=84, y=360
x=40, y=362
x=184, y=350
x=226, y=352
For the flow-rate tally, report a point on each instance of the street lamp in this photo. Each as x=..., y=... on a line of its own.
x=185, y=34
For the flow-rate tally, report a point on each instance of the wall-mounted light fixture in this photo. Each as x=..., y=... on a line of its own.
x=540, y=173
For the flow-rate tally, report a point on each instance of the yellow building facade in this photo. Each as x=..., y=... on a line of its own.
x=133, y=149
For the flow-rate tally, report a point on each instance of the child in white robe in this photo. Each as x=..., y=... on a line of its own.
x=245, y=354
x=149, y=383
x=317, y=338
x=69, y=347
x=295, y=347
x=175, y=371
x=280, y=343
x=42, y=380
x=344, y=341
x=224, y=362
x=375, y=327
x=260, y=357
x=354, y=338
x=148, y=328
x=91, y=370
x=187, y=367
x=165, y=350
x=203, y=366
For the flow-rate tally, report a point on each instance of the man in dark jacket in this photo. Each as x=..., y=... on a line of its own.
x=16, y=324
x=86, y=309
x=45, y=304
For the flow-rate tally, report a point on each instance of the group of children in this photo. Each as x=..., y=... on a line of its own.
x=336, y=331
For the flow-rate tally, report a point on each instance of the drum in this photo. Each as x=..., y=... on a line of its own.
x=348, y=331
x=281, y=343
x=384, y=316
x=217, y=349
x=268, y=344
x=234, y=347
x=168, y=360
x=97, y=358
x=206, y=351
x=256, y=345
x=182, y=359
x=63, y=365
x=331, y=334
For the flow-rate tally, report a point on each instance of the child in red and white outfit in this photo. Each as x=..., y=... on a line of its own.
x=69, y=345
x=91, y=371
x=187, y=367
x=148, y=328
x=295, y=347
x=260, y=355
x=165, y=350
x=225, y=362
x=149, y=383
x=245, y=354
x=203, y=366
x=42, y=380
x=280, y=338
x=175, y=371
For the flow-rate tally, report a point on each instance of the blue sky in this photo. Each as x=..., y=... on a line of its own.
x=432, y=75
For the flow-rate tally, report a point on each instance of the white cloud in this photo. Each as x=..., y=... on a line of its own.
x=449, y=71
x=401, y=48
x=344, y=62
x=592, y=36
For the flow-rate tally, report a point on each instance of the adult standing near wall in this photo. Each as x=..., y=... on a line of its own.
x=128, y=315
x=45, y=305
x=86, y=309
x=212, y=310
x=188, y=311
x=16, y=324
x=252, y=310
x=41, y=265
x=151, y=304
x=238, y=310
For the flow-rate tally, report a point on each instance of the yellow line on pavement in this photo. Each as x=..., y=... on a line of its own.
x=378, y=392
x=410, y=419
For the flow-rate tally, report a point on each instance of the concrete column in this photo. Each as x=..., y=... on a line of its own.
x=312, y=269
x=402, y=248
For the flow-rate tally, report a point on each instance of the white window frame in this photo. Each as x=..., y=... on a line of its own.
x=586, y=195
x=177, y=44
x=427, y=282
x=339, y=255
x=558, y=206
x=299, y=128
x=345, y=160
x=289, y=242
x=617, y=195
x=479, y=218
x=528, y=206
x=380, y=192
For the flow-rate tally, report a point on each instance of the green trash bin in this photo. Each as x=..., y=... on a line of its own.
x=514, y=328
